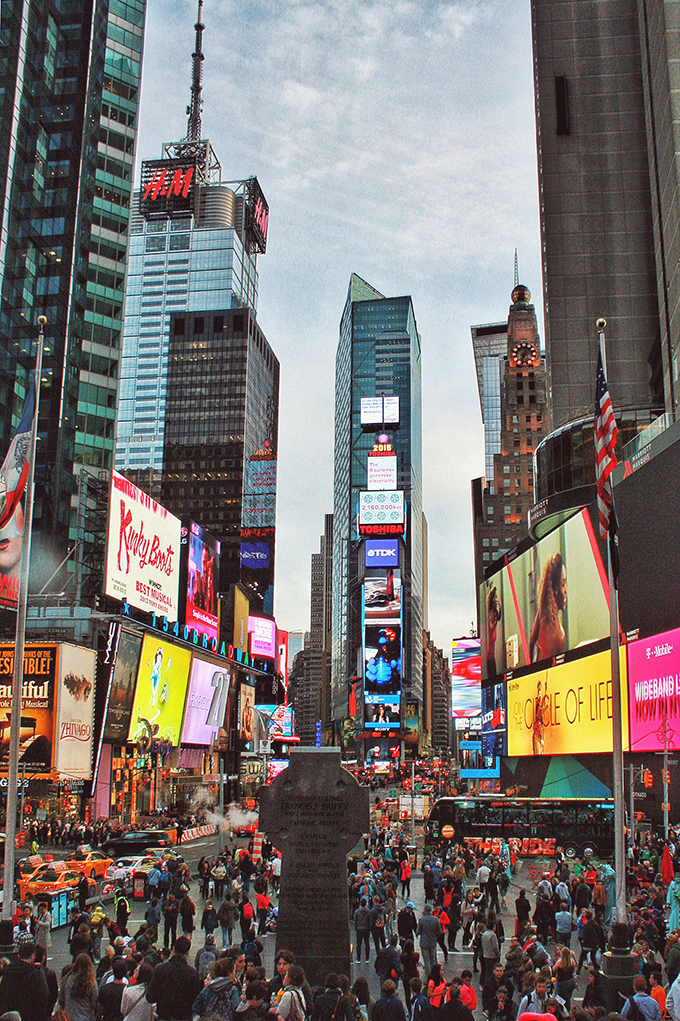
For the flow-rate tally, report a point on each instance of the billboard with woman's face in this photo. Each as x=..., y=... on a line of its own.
x=552, y=598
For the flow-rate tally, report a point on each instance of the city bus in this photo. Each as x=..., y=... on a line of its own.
x=531, y=827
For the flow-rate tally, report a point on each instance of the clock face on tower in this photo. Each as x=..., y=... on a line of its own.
x=524, y=353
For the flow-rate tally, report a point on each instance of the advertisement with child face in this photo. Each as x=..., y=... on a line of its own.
x=161, y=689
x=552, y=598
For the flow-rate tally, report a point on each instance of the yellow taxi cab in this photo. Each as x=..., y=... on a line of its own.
x=48, y=878
x=93, y=863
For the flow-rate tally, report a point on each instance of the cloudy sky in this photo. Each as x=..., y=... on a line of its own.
x=394, y=139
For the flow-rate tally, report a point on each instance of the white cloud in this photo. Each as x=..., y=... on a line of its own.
x=394, y=139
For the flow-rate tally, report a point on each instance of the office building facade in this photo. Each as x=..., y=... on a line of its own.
x=68, y=108
x=221, y=440
x=501, y=501
x=606, y=74
x=378, y=356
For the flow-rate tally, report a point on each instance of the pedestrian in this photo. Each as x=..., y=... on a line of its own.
x=220, y=996
x=389, y=1007
x=332, y=1004
x=175, y=985
x=565, y=983
x=409, y=969
x=263, y=901
x=134, y=1005
x=436, y=987
x=187, y=910
x=247, y=915
x=83, y=892
x=227, y=916
x=111, y=993
x=407, y=923
x=43, y=927
x=405, y=878
x=122, y=911
x=171, y=914
x=428, y=929
x=78, y=993
x=291, y=1006
x=420, y=1004
x=563, y=925
x=209, y=920
x=387, y=963
x=378, y=924
x=645, y=1004
x=362, y=927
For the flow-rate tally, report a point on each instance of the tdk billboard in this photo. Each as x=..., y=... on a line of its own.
x=381, y=552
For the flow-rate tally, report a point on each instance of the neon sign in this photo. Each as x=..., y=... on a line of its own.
x=167, y=188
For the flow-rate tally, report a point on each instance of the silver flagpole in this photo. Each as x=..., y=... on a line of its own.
x=18, y=679
x=620, y=910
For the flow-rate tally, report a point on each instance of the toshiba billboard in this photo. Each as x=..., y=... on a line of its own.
x=142, y=561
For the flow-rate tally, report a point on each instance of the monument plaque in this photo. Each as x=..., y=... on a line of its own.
x=314, y=812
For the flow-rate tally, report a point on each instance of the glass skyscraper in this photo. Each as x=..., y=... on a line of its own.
x=378, y=354
x=70, y=75
x=489, y=344
x=197, y=263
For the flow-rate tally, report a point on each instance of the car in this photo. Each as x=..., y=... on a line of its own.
x=93, y=863
x=164, y=854
x=139, y=841
x=49, y=878
x=246, y=829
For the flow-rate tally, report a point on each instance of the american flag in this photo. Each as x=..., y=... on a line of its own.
x=606, y=432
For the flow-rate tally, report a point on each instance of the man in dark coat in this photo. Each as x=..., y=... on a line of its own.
x=23, y=987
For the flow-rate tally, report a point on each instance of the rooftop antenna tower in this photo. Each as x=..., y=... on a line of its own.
x=516, y=266
x=194, y=109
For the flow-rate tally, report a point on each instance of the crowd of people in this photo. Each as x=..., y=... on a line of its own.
x=59, y=832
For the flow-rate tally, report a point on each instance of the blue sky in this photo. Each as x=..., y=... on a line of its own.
x=396, y=140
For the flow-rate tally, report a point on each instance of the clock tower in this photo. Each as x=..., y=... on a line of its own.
x=501, y=503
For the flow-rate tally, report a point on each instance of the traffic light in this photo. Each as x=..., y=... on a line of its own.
x=648, y=778
x=164, y=774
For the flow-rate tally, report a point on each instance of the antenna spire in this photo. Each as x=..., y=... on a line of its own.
x=516, y=270
x=194, y=110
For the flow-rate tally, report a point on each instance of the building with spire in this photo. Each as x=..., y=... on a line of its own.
x=501, y=501
x=197, y=421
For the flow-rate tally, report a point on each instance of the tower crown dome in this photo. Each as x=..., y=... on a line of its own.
x=521, y=295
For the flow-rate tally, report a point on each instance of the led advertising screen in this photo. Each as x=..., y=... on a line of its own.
x=247, y=718
x=122, y=690
x=565, y=708
x=382, y=753
x=381, y=508
x=259, y=496
x=466, y=677
x=382, y=660
x=75, y=713
x=412, y=728
x=550, y=599
x=382, y=472
x=167, y=188
x=282, y=722
x=382, y=595
x=473, y=764
x=383, y=715
x=494, y=720
x=255, y=555
x=142, y=562
x=654, y=692
x=379, y=410
x=206, y=703
x=262, y=633
x=381, y=552
x=11, y=541
x=161, y=691
x=203, y=572
x=37, y=720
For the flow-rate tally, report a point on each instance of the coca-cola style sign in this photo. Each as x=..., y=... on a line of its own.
x=142, y=563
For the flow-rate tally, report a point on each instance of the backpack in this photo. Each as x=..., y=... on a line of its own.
x=206, y=960
x=252, y=954
x=218, y=1005
x=635, y=1013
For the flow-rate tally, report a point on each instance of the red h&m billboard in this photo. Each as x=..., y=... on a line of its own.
x=167, y=188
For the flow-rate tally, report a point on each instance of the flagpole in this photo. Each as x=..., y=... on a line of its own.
x=620, y=908
x=18, y=679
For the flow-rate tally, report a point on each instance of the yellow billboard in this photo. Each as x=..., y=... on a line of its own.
x=161, y=691
x=566, y=709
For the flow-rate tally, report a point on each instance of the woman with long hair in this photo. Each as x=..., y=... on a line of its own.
x=360, y=997
x=78, y=993
x=548, y=637
x=563, y=972
x=467, y=917
x=409, y=969
x=436, y=986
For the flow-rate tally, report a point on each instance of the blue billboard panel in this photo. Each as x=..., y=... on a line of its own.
x=494, y=720
x=255, y=555
x=474, y=765
x=381, y=552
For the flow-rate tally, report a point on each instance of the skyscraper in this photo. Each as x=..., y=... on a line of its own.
x=195, y=253
x=606, y=72
x=489, y=345
x=502, y=500
x=68, y=108
x=378, y=359
x=221, y=439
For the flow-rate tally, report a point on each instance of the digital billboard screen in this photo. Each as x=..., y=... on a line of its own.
x=474, y=765
x=379, y=410
x=11, y=542
x=383, y=714
x=381, y=552
x=382, y=660
x=565, y=708
x=382, y=472
x=382, y=595
x=381, y=508
x=74, y=730
x=654, y=692
x=37, y=719
x=552, y=598
x=494, y=720
x=161, y=691
x=203, y=572
x=262, y=633
x=122, y=688
x=255, y=555
x=142, y=562
x=167, y=188
x=206, y=702
x=466, y=677
x=247, y=718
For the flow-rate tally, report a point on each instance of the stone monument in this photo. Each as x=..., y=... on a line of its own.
x=314, y=813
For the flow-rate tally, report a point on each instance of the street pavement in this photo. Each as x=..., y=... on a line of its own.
x=60, y=955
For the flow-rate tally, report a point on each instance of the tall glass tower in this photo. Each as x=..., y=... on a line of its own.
x=378, y=355
x=68, y=113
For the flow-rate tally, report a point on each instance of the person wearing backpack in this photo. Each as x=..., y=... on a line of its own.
x=332, y=1004
x=206, y=956
x=221, y=997
x=252, y=948
x=641, y=1006
x=291, y=1006
x=387, y=962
